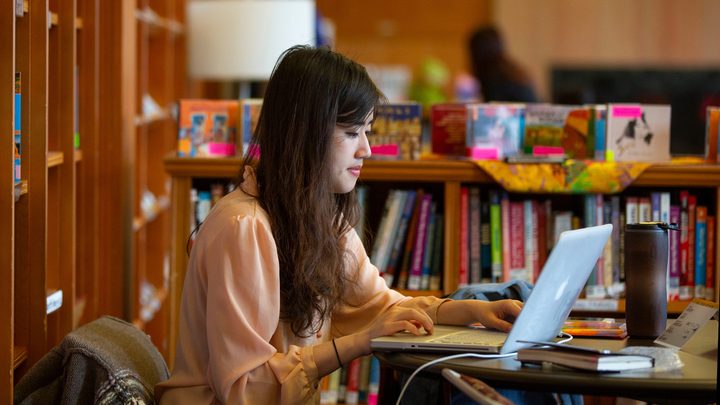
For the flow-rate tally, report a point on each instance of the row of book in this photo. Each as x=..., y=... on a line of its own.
x=216, y=128
x=407, y=248
x=17, y=130
x=356, y=383
x=505, y=237
x=613, y=132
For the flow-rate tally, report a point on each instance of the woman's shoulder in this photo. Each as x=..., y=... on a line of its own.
x=235, y=209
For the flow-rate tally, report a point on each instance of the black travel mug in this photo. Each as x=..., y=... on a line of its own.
x=645, y=264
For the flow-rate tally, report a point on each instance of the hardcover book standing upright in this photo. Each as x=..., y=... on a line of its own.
x=494, y=131
x=638, y=132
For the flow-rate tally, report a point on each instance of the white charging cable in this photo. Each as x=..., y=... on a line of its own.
x=566, y=338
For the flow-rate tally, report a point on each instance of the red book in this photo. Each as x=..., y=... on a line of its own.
x=692, y=205
x=517, y=237
x=710, y=261
x=352, y=393
x=684, y=233
x=447, y=129
x=505, y=229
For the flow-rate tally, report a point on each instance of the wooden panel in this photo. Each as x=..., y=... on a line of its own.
x=117, y=113
x=405, y=31
x=7, y=200
x=88, y=288
x=180, y=209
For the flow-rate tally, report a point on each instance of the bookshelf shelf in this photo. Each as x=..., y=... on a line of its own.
x=55, y=158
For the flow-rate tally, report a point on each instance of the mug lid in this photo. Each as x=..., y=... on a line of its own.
x=653, y=225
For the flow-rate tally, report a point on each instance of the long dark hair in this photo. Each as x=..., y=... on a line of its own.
x=310, y=91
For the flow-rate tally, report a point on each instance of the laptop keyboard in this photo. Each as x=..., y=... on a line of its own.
x=471, y=337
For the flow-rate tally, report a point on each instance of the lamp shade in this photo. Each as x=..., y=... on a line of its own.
x=242, y=39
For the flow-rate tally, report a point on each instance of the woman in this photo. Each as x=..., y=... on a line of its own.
x=279, y=290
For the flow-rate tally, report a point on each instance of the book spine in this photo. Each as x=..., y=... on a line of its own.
x=674, y=259
x=474, y=234
x=505, y=232
x=17, y=130
x=419, y=250
x=464, y=261
x=631, y=210
x=352, y=393
x=645, y=209
x=692, y=205
x=396, y=252
x=383, y=230
x=496, y=238
x=684, y=230
x=428, y=249
x=710, y=273
x=436, y=264
x=700, y=250
x=403, y=275
x=374, y=381
x=517, y=241
x=485, y=243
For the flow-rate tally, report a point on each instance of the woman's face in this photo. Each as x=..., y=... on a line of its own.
x=350, y=147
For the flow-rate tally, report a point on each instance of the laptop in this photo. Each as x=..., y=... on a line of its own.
x=562, y=278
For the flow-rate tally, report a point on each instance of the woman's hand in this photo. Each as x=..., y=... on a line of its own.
x=395, y=319
x=493, y=314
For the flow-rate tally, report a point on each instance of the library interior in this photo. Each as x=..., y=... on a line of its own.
x=503, y=125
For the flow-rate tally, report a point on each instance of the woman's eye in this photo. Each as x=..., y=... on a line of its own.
x=352, y=134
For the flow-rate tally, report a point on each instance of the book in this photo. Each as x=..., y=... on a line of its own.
x=207, y=128
x=638, y=132
x=249, y=116
x=700, y=250
x=418, y=252
x=584, y=358
x=673, y=288
x=397, y=131
x=564, y=127
x=463, y=272
x=17, y=131
x=494, y=131
x=447, y=129
x=710, y=265
x=595, y=328
x=396, y=253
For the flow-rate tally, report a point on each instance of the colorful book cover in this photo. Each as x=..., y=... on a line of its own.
x=638, y=132
x=207, y=128
x=700, y=250
x=710, y=272
x=249, y=116
x=674, y=259
x=562, y=126
x=447, y=129
x=397, y=131
x=494, y=131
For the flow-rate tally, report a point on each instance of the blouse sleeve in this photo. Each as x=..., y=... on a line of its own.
x=243, y=312
x=368, y=296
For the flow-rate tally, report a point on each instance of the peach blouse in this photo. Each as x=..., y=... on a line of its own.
x=232, y=345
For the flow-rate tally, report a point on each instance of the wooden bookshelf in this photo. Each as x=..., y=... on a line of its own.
x=67, y=225
x=447, y=175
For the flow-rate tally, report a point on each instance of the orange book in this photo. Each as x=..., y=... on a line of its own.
x=207, y=128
